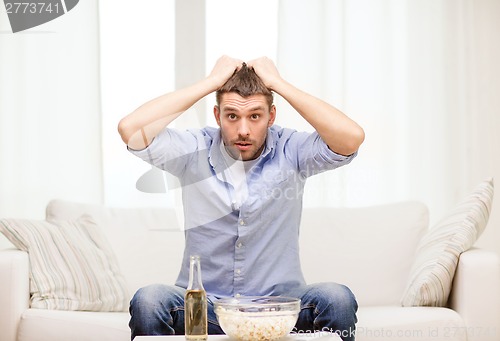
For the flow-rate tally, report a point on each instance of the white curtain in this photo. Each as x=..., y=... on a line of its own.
x=147, y=53
x=50, y=129
x=423, y=79
x=137, y=51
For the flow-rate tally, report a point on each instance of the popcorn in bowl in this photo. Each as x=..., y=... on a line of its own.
x=257, y=318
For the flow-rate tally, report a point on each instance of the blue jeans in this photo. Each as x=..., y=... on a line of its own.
x=159, y=310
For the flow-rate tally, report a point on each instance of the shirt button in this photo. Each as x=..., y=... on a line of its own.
x=238, y=271
x=237, y=295
x=239, y=245
x=242, y=222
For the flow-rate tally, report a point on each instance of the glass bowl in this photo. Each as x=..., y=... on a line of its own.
x=257, y=318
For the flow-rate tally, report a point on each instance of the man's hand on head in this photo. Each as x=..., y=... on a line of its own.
x=265, y=68
x=223, y=69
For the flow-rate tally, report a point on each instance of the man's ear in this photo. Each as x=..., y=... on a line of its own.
x=272, y=115
x=217, y=114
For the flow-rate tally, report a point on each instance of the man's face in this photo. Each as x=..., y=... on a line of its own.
x=244, y=122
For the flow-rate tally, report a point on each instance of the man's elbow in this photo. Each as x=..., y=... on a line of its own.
x=358, y=138
x=352, y=143
x=125, y=130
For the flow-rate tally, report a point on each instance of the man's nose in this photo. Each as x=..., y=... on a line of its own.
x=244, y=128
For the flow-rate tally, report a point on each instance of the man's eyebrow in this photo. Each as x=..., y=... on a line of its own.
x=229, y=108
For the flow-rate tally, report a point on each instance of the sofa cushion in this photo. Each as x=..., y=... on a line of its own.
x=374, y=324
x=410, y=324
x=72, y=267
x=51, y=325
x=148, y=241
x=369, y=249
x=438, y=252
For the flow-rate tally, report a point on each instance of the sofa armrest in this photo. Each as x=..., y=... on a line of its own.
x=476, y=294
x=14, y=291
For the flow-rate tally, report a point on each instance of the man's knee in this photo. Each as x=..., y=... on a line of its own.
x=337, y=295
x=152, y=309
x=156, y=296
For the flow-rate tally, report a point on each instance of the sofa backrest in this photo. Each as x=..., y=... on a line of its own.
x=369, y=249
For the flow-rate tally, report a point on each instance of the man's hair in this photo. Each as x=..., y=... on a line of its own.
x=245, y=83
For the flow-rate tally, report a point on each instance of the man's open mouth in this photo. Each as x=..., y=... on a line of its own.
x=243, y=145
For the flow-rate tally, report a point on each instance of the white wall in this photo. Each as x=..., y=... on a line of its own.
x=50, y=129
x=482, y=151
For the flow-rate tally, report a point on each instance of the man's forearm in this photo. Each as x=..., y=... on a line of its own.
x=140, y=127
x=340, y=133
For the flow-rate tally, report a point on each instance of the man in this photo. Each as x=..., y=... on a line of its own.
x=242, y=189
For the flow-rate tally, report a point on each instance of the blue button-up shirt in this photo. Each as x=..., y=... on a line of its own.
x=252, y=248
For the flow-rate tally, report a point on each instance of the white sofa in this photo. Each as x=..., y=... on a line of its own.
x=369, y=249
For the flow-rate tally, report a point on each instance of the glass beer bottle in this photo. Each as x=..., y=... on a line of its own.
x=195, y=304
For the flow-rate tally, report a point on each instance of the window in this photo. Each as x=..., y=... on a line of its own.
x=138, y=63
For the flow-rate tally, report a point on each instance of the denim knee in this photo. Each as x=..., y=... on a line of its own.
x=328, y=307
x=154, y=310
x=339, y=307
x=338, y=295
x=156, y=296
